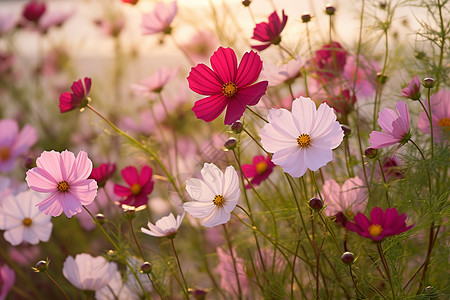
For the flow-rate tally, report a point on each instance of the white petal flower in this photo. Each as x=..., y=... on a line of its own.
x=166, y=226
x=302, y=139
x=88, y=273
x=215, y=196
x=116, y=289
x=132, y=283
x=23, y=221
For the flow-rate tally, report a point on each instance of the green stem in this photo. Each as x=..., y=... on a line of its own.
x=227, y=237
x=431, y=121
x=386, y=268
x=57, y=285
x=386, y=186
x=256, y=114
x=185, y=289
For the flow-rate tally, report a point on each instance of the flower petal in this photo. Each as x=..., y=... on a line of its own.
x=224, y=63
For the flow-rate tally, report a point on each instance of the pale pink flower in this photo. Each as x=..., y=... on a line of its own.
x=54, y=18
x=155, y=83
x=10, y=187
x=228, y=279
x=7, y=278
x=25, y=254
x=412, y=91
x=166, y=226
x=111, y=27
x=160, y=18
x=64, y=177
x=201, y=46
x=276, y=75
x=365, y=76
x=116, y=289
x=7, y=22
x=440, y=112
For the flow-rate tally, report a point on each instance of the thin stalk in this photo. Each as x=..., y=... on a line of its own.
x=330, y=231
x=185, y=289
x=227, y=237
x=256, y=142
x=386, y=268
x=431, y=121
x=385, y=183
x=57, y=285
x=286, y=50
x=258, y=115
x=442, y=46
x=354, y=283
x=185, y=53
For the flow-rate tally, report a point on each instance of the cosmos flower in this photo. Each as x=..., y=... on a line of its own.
x=166, y=226
x=412, y=91
x=34, y=10
x=13, y=143
x=302, y=139
x=227, y=84
x=7, y=22
x=54, y=19
x=269, y=32
x=330, y=61
x=227, y=274
x=201, y=45
x=381, y=224
x=78, y=98
x=103, y=173
x=259, y=170
x=155, y=83
x=286, y=72
x=139, y=186
x=65, y=178
x=22, y=221
x=215, y=196
x=440, y=112
x=160, y=18
x=395, y=125
x=7, y=278
x=116, y=289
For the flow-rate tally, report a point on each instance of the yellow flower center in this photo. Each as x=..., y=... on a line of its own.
x=27, y=222
x=375, y=230
x=304, y=140
x=444, y=122
x=136, y=189
x=5, y=153
x=261, y=167
x=63, y=186
x=229, y=89
x=219, y=200
x=350, y=214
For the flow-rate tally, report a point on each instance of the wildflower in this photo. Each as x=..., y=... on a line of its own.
x=214, y=197
x=13, y=143
x=283, y=73
x=7, y=278
x=330, y=61
x=381, y=224
x=269, y=33
x=102, y=174
x=259, y=170
x=227, y=85
x=88, y=273
x=166, y=226
x=65, y=178
x=34, y=10
x=116, y=289
x=160, y=18
x=440, y=113
x=22, y=220
x=227, y=272
x=155, y=83
x=139, y=186
x=302, y=139
x=395, y=125
x=412, y=91
x=78, y=98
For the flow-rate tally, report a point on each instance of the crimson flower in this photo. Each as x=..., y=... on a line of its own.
x=343, y=103
x=227, y=84
x=381, y=224
x=78, y=98
x=412, y=91
x=34, y=10
x=139, y=186
x=269, y=33
x=330, y=61
x=103, y=173
x=259, y=170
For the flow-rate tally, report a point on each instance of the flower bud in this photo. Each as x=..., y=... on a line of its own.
x=100, y=218
x=230, y=144
x=330, y=9
x=129, y=213
x=428, y=82
x=306, y=17
x=348, y=258
x=370, y=152
x=29, y=163
x=382, y=5
x=420, y=55
x=346, y=129
x=41, y=266
x=381, y=78
x=237, y=127
x=316, y=203
x=198, y=294
x=246, y=2
x=146, y=267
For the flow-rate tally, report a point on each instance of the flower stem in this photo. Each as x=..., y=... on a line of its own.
x=385, y=184
x=431, y=120
x=185, y=289
x=258, y=115
x=227, y=237
x=386, y=268
x=57, y=285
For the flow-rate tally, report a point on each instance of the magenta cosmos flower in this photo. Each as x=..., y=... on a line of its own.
x=34, y=10
x=65, y=179
x=440, y=112
x=103, y=173
x=14, y=143
x=259, y=170
x=160, y=18
x=330, y=61
x=412, y=91
x=139, y=186
x=395, y=125
x=78, y=98
x=381, y=224
x=7, y=278
x=269, y=33
x=227, y=84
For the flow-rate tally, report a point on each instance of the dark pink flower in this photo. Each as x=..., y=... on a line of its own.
x=7, y=278
x=259, y=170
x=381, y=224
x=102, y=174
x=227, y=84
x=412, y=91
x=139, y=186
x=34, y=10
x=269, y=33
x=343, y=103
x=69, y=101
x=330, y=61
x=160, y=18
x=440, y=112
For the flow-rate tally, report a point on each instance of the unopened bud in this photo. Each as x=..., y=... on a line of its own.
x=146, y=267
x=348, y=258
x=306, y=17
x=428, y=82
x=100, y=218
x=316, y=203
x=129, y=213
x=382, y=5
x=29, y=163
x=198, y=294
x=230, y=144
x=237, y=127
x=346, y=129
x=381, y=78
x=370, y=152
x=330, y=9
x=246, y=2
x=41, y=266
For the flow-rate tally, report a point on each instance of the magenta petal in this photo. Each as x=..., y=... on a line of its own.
x=251, y=95
x=87, y=84
x=65, y=102
x=249, y=171
x=260, y=32
x=77, y=88
x=249, y=69
x=261, y=47
x=121, y=191
x=224, y=63
x=145, y=176
x=235, y=110
x=362, y=221
x=130, y=175
x=209, y=108
x=204, y=81
x=377, y=216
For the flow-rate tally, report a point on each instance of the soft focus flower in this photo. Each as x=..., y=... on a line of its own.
x=155, y=83
x=116, y=289
x=88, y=273
x=348, y=200
x=269, y=33
x=132, y=283
x=103, y=173
x=132, y=2
x=14, y=143
x=364, y=76
x=276, y=75
x=22, y=221
x=395, y=125
x=215, y=196
x=64, y=177
x=381, y=224
x=330, y=61
x=34, y=10
x=201, y=45
x=228, y=279
x=160, y=18
x=302, y=139
x=343, y=102
x=139, y=186
x=7, y=278
x=440, y=112
x=78, y=97
x=111, y=27
x=25, y=254
x=54, y=19
x=227, y=84
x=259, y=170
x=412, y=91
x=7, y=23
x=9, y=186
x=166, y=226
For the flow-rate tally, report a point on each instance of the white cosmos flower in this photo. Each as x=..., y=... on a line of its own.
x=116, y=289
x=88, y=273
x=165, y=226
x=23, y=221
x=302, y=139
x=215, y=196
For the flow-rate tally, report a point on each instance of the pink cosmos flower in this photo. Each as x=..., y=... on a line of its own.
x=227, y=84
x=139, y=186
x=228, y=276
x=365, y=76
x=259, y=170
x=155, y=83
x=112, y=26
x=13, y=143
x=276, y=75
x=69, y=101
x=381, y=224
x=412, y=91
x=201, y=45
x=7, y=23
x=440, y=112
x=330, y=61
x=160, y=18
x=395, y=125
x=103, y=173
x=34, y=10
x=269, y=33
x=7, y=278
x=65, y=178
x=343, y=101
